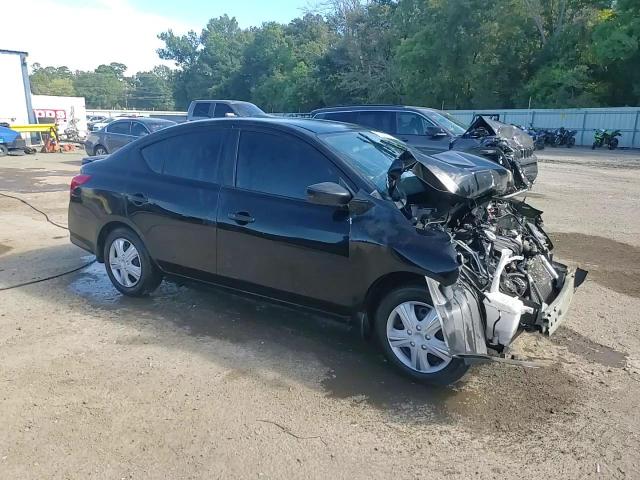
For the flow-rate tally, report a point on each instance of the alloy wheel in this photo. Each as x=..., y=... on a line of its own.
x=415, y=335
x=124, y=262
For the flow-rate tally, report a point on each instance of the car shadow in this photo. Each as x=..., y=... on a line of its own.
x=351, y=367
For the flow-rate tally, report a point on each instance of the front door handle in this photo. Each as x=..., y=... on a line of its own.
x=241, y=218
x=138, y=199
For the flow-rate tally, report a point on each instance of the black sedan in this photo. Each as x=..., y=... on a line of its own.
x=424, y=251
x=118, y=133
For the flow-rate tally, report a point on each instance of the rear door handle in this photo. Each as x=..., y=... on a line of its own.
x=241, y=218
x=138, y=199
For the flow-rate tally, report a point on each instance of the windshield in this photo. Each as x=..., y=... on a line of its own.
x=447, y=121
x=369, y=152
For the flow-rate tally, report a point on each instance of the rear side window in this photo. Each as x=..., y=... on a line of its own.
x=221, y=111
x=193, y=155
x=201, y=109
x=281, y=165
x=346, y=117
x=119, y=127
x=377, y=120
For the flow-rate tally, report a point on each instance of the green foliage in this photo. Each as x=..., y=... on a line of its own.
x=439, y=53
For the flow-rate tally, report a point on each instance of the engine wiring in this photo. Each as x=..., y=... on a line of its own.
x=51, y=277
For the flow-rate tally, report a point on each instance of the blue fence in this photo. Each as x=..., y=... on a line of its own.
x=584, y=120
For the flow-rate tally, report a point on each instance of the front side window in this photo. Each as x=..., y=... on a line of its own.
x=121, y=128
x=138, y=130
x=410, y=123
x=201, y=109
x=192, y=155
x=280, y=165
x=223, y=110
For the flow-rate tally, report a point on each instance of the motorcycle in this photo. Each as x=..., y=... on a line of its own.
x=565, y=137
x=604, y=137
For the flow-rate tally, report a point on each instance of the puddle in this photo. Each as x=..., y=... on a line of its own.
x=356, y=371
x=4, y=248
x=588, y=349
x=613, y=264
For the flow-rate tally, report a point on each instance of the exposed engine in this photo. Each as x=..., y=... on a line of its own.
x=506, y=258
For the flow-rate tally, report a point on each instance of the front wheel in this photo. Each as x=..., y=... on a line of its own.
x=3, y=150
x=128, y=264
x=593, y=147
x=571, y=142
x=613, y=144
x=408, y=329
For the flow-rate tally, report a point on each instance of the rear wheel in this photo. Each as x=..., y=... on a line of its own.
x=100, y=150
x=411, y=337
x=571, y=142
x=128, y=264
x=613, y=144
x=3, y=150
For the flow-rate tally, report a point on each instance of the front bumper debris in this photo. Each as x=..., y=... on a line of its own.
x=554, y=315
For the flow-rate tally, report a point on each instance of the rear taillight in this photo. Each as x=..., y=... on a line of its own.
x=78, y=180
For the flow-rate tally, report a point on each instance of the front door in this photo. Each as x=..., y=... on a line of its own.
x=269, y=236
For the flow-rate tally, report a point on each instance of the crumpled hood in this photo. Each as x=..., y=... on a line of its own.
x=457, y=173
x=515, y=137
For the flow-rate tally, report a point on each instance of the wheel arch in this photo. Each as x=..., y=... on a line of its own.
x=109, y=227
x=385, y=284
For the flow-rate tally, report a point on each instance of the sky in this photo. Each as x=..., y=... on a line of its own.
x=83, y=34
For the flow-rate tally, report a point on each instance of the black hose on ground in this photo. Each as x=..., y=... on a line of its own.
x=57, y=275
x=36, y=209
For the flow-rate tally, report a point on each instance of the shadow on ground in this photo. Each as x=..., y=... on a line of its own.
x=492, y=396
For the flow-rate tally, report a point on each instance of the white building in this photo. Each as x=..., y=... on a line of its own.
x=15, y=89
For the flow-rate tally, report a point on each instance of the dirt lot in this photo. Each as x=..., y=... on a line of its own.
x=200, y=383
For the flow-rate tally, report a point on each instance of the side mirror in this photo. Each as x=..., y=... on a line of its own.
x=328, y=193
x=435, y=132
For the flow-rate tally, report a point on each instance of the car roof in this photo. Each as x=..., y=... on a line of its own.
x=228, y=102
x=347, y=108
x=302, y=124
x=141, y=120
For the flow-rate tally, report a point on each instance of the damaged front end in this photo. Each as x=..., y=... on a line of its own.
x=506, y=145
x=508, y=279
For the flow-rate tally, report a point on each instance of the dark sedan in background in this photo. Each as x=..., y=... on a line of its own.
x=433, y=131
x=118, y=133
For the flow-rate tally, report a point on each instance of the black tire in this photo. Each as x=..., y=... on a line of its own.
x=593, y=147
x=17, y=152
x=571, y=142
x=150, y=276
x=449, y=374
x=100, y=150
x=3, y=150
x=613, y=144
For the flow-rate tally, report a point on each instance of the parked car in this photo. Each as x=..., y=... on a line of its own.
x=433, y=131
x=11, y=142
x=118, y=133
x=203, y=109
x=100, y=123
x=336, y=217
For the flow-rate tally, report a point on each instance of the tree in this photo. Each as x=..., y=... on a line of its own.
x=52, y=81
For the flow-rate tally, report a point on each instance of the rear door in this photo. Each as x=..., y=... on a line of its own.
x=418, y=132
x=118, y=134
x=174, y=204
x=270, y=237
x=223, y=110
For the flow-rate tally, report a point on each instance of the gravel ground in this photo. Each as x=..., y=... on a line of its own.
x=201, y=383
